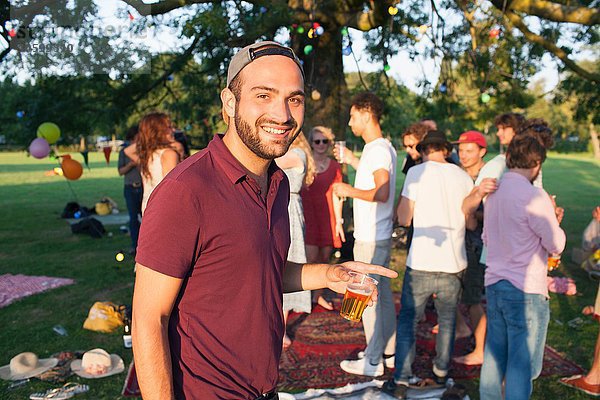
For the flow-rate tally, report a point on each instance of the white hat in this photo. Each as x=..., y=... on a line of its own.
x=26, y=365
x=97, y=363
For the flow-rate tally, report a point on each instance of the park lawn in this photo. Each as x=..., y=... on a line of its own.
x=35, y=241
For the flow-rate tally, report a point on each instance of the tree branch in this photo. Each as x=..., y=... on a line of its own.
x=552, y=11
x=551, y=47
x=162, y=7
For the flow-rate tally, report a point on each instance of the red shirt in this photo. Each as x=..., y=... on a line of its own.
x=317, y=202
x=207, y=223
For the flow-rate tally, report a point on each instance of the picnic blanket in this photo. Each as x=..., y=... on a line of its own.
x=322, y=339
x=14, y=287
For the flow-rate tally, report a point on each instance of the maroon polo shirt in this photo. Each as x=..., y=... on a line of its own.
x=207, y=224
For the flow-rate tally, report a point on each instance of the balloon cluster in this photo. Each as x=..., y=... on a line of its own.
x=48, y=133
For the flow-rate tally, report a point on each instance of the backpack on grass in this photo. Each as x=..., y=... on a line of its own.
x=91, y=226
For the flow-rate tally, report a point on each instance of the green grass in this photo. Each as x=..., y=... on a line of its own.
x=35, y=241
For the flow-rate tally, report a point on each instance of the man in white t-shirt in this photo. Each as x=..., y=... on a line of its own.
x=432, y=197
x=373, y=195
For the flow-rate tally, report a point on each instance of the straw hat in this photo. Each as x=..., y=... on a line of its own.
x=97, y=363
x=26, y=365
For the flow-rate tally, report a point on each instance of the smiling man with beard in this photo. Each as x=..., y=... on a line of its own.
x=211, y=261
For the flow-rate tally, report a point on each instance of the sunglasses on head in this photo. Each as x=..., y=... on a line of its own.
x=319, y=141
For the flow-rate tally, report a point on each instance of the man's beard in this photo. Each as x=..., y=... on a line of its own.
x=251, y=138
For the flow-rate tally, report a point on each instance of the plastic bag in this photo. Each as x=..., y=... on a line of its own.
x=104, y=316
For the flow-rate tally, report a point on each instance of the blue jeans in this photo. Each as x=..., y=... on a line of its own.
x=517, y=323
x=418, y=286
x=133, y=198
x=379, y=322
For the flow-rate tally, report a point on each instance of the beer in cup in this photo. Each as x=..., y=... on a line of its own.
x=553, y=261
x=340, y=145
x=358, y=293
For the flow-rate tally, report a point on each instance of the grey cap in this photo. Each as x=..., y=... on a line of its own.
x=251, y=52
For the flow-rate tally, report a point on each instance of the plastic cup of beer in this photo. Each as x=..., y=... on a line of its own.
x=340, y=145
x=358, y=293
x=553, y=261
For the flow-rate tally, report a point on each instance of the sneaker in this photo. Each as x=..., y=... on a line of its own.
x=388, y=361
x=362, y=367
x=396, y=390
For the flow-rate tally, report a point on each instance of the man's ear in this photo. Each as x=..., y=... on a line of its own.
x=228, y=100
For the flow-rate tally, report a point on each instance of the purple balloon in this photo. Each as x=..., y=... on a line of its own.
x=39, y=148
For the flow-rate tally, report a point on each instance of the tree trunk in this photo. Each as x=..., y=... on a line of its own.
x=324, y=73
x=595, y=141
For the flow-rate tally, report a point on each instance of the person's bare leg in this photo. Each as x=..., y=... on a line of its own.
x=462, y=329
x=593, y=376
x=319, y=255
x=479, y=319
x=287, y=342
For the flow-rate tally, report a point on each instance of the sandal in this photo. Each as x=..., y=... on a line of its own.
x=66, y=392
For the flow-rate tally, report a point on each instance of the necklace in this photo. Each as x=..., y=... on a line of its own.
x=322, y=165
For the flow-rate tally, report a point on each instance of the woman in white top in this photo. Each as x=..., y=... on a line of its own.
x=155, y=150
x=299, y=167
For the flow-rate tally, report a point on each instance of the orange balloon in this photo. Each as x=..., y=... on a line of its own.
x=71, y=169
x=66, y=156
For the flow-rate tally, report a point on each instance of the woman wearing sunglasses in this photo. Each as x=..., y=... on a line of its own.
x=322, y=210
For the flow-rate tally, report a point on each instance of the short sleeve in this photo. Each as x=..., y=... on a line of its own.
x=379, y=157
x=493, y=169
x=409, y=190
x=122, y=159
x=169, y=240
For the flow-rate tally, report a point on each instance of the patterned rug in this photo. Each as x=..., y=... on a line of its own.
x=322, y=339
x=14, y=287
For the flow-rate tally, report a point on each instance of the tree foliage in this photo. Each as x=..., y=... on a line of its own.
x=491, y=47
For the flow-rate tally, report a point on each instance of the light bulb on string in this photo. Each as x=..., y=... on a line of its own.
x=319, y=30
x=423, y=28
x=12, y=33
x=120, y=256
x=392, y=10
x=386, y=67
x=344, y=31
x=311, y=33
x=494, y=33
x=300, y=30
x=485, y=98
x=263, y=9
x=443, y=88
x=347, y=50
x=308, y=49
x=315, y=95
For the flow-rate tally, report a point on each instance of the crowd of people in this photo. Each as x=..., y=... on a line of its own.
x=237, y=235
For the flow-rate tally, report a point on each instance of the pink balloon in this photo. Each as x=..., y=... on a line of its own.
x=39, y=148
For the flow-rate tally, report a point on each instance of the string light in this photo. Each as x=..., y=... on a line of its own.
x=393, y=10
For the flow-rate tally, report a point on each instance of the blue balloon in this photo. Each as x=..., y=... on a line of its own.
x=347, y=50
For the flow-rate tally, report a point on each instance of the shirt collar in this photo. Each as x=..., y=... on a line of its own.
x=232, y=168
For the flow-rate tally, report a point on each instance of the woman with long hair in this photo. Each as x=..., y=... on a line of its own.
x=322, y=209
x=299, y=167
x=155, y=150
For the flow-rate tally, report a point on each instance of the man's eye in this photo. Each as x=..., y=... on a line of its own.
x=297, y=100
x=263, y=96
